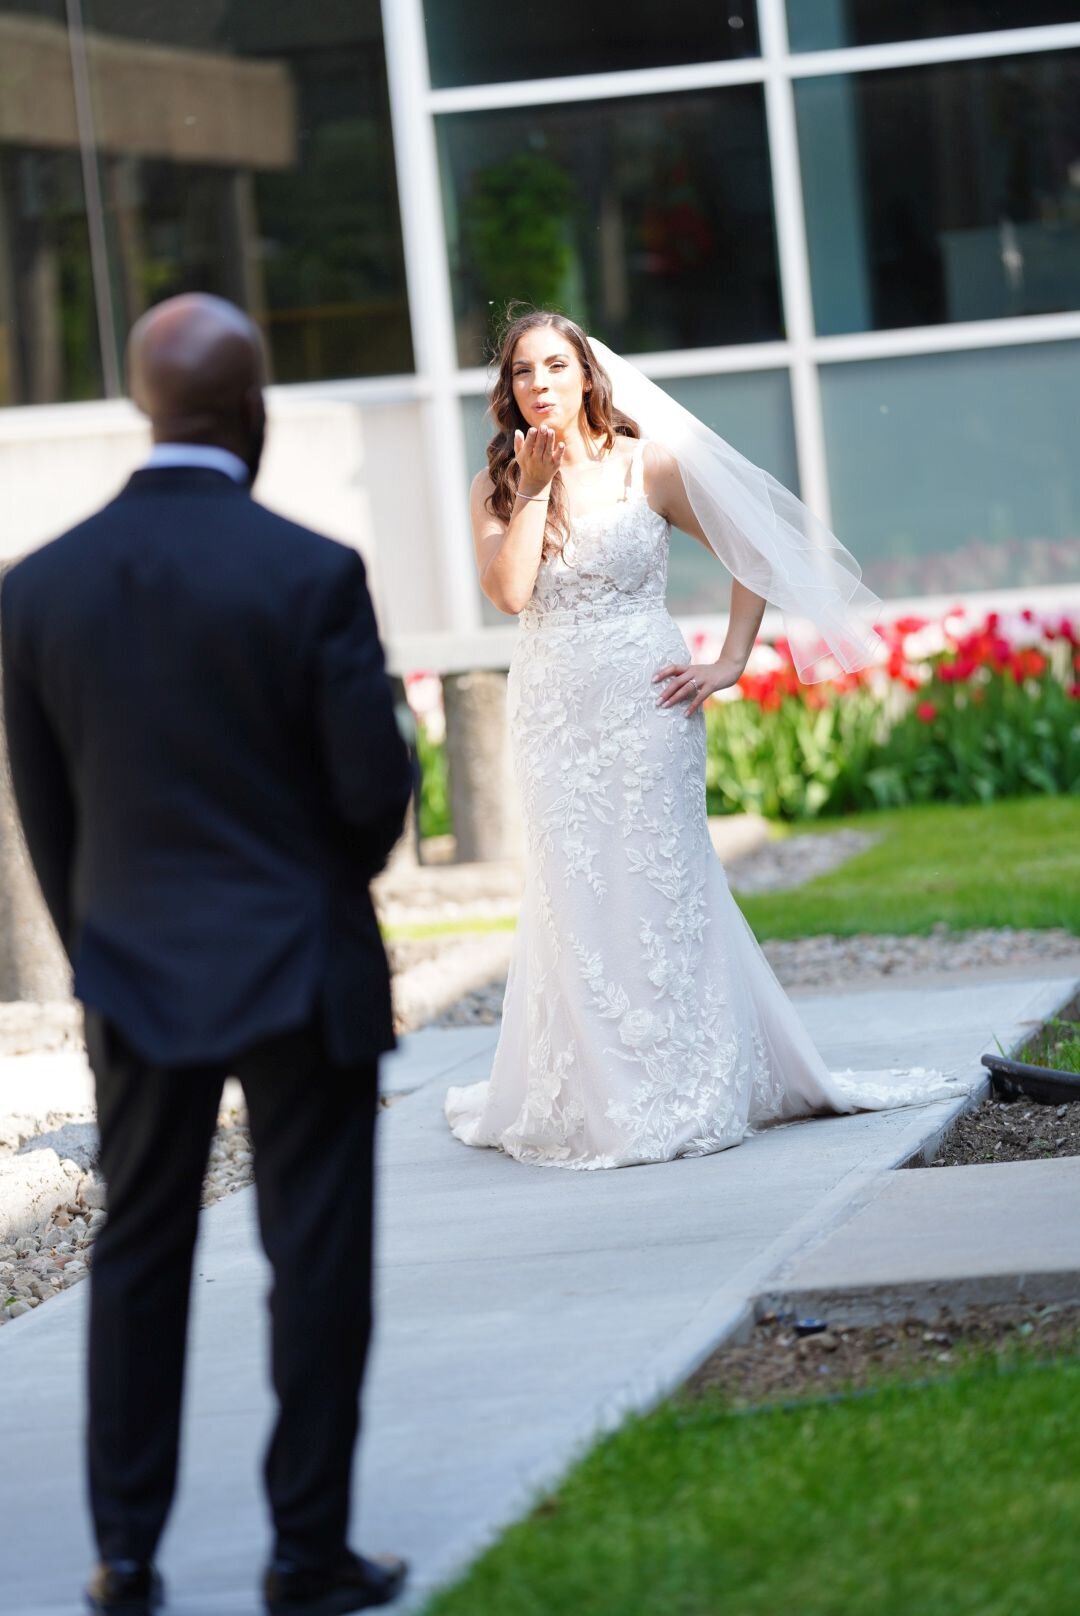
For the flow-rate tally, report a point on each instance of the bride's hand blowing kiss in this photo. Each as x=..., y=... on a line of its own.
x=550, y=389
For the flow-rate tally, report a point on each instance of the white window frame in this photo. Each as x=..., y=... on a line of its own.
x=416, y=105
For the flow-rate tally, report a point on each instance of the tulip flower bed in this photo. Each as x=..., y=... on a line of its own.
x=964, y=709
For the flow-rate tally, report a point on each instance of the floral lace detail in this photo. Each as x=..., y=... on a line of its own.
x=614, y=560
x=641, y=1020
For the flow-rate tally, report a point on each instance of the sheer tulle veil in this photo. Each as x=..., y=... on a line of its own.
x=764, y=534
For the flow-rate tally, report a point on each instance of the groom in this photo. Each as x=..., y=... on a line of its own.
x=208, y=772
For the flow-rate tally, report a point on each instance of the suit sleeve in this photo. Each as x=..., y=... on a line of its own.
x=370, y=771
x=41, y=783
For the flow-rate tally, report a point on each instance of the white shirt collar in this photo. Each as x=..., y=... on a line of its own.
x=205, y=455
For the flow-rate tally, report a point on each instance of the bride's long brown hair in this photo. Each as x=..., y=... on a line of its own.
x=603, y=420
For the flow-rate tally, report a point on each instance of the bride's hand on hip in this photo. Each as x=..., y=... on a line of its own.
x=539, y=458
x=694, y=682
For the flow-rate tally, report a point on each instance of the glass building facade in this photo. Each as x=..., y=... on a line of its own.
x=844, y=232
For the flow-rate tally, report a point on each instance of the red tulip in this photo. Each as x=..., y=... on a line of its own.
x=926, y=712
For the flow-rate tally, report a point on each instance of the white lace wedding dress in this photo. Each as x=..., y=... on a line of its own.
x=641, y=1020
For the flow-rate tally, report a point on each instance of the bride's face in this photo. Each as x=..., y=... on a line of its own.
x=547, y=378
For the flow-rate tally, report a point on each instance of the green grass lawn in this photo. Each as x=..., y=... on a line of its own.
x=1056, y=1045
x=1005, y=864
x=958, y=1498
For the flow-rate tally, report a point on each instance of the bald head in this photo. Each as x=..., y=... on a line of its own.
x=196, y=368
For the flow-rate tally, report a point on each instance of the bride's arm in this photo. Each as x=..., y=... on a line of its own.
x=693, y=682
x=508, y=554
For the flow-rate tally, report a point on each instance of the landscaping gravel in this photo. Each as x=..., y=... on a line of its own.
x=777, y=1364
x=43, y=1262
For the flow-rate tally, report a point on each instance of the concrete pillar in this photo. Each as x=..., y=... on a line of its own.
x=483, y=794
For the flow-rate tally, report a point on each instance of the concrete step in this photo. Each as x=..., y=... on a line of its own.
x=950, y=1236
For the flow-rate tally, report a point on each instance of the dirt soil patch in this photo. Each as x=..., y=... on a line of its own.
x=778, y=1365
x=1012, y=1130
x=1001, y=1130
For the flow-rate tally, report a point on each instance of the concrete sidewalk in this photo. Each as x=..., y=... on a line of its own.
x=47, y=1112
x=521, y=1312
x=1005, y=1232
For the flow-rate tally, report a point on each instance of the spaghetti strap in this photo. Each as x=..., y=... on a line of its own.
x=635, y=478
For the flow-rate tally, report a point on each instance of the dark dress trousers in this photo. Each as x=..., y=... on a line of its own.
x=208, y=772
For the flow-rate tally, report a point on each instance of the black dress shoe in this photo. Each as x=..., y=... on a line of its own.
x=125, y=1588
x=355, y=1584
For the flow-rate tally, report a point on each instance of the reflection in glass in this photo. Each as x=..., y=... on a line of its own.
x=752, y=410
x=829, y=24
x=649, y=220
x=49, y=350
x=953, y=472
x=973, y=215
x=485, y=42
x=245, y=149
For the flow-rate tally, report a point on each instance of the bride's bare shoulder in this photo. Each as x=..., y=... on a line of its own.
x=480, y=492
x=656, y=457
x=658, y=465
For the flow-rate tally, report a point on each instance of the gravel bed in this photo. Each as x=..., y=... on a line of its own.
x=46, y=1261
x=28, y=1028
x=413, y=894
x=827, y=961
x=455, y=980
x=777, y=1365
x=793, y=860
x=41, y=1265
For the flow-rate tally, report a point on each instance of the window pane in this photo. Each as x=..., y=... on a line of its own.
x=958, y=471
x=973, y=215
x=825, y=24
x=752, y=410
x=485, y=42
x=245, y=149
x=49, y=349
x=649, y=220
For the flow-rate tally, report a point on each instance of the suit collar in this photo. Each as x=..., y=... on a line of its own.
x=183, y=479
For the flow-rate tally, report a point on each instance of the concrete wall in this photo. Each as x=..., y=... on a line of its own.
x=347, y=466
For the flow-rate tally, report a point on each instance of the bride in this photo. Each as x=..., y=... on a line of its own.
x=641, y=1021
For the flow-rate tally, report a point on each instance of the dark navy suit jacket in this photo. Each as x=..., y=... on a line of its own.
x=207, y=768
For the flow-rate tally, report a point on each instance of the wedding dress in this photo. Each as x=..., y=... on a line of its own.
x=641, y=1021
